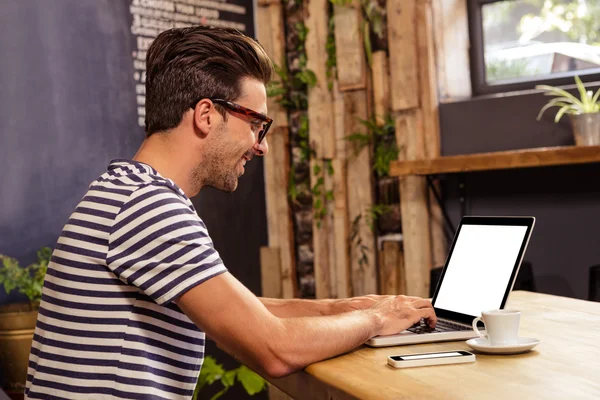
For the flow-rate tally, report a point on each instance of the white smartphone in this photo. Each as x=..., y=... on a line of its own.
x=424, y=359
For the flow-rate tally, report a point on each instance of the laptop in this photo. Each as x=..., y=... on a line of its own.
x=478, y=275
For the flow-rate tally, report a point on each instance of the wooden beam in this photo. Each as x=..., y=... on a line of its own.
x=270, y=33
x=270, y=272
x=431, y=121
x=279, y=216
x=322, y=140
x=341, y=225
x=350, y=58
x=360, y=200
x=388, y=267
x=323, y=234
x=539, y=157
x=451, y=30
x=320, y=101
x=414, y=207
x=415, y=232
x=402, y=43
x=381, y=90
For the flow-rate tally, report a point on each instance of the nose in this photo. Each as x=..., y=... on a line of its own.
x=262, y=148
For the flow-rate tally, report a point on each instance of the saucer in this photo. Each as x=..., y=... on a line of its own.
x=523, y=344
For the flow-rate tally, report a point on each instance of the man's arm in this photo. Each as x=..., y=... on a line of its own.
x=289, y=308
x=236, y=319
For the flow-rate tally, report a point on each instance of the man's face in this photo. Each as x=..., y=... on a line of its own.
x=235, y=140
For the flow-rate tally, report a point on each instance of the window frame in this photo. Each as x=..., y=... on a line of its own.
x=478, y=70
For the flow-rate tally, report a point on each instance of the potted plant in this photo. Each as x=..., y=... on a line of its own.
x=17, y=321
x=584, y=112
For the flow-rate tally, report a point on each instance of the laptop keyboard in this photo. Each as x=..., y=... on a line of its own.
x=442, y=326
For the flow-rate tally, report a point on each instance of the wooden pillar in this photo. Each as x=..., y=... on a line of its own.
x=405, y=103
x=451, y=32
x=352, y=81
x=392, y=278
x=431, y=122
x=321, y=137
x=341, y=225
x=279, y=218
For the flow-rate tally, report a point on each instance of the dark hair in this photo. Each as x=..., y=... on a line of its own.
x=185, y=65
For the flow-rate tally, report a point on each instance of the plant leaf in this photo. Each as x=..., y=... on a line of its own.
x=211, y=371
x=582, y=93
x=560, y=113
x=595, y=98
x=228, y=378
x=554, y=91
x=250, y=380
x=220, y=393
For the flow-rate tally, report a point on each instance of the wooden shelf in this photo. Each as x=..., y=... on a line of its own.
x=545, y=156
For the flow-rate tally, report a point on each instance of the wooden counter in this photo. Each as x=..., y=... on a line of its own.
x=565, y=365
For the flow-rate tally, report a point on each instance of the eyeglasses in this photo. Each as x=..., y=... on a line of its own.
x=236, y=108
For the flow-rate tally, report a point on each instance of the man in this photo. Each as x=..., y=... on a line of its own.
x=134, y=280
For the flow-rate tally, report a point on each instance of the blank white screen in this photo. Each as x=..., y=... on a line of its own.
x=480, y=268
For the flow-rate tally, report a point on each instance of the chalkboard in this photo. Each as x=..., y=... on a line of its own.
x=72, y=99
x=67, y=106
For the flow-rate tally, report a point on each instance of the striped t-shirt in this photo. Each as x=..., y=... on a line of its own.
x=107, y=326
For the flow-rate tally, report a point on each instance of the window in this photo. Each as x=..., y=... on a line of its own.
x=516, y=44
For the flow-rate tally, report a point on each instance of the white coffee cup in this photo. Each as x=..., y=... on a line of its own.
x=502, y=326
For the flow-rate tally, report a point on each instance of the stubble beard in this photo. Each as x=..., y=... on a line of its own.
x=214, y=171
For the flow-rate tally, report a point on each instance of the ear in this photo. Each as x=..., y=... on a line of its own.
x=206, y=117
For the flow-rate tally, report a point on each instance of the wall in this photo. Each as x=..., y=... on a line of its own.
x=565, y=200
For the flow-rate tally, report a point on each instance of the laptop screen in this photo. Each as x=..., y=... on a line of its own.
x=480, y=268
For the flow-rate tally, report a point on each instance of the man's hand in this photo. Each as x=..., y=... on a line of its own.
x=397, y=313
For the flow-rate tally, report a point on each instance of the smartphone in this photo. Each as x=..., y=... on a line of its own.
x=425, y=359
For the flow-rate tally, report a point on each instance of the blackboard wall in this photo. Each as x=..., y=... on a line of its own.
x=67, y=106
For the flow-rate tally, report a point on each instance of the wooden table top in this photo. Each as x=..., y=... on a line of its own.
x=565, y=365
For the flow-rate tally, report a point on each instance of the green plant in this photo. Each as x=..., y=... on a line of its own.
x=357, y=241
x=28, y=280
x=569, y=104
x=321, y=197
x=331, y=62
x=382, y=137
x=212, y=372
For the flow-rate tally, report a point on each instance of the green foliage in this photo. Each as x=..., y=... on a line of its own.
x=497, y=69
x=356, y=241
x=212, y=372
x=565, y=16
x=306, y=150
x=375, y=212
x=366, y=30
x=302, y=33
x=331, y=62
x=341, y=2
x=373, y=22
x=321, y=197
x=307, y=77
x=28, y=280
x=382, y=137
x=569, y=104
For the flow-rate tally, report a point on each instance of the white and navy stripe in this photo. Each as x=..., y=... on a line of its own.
x=107, y=327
